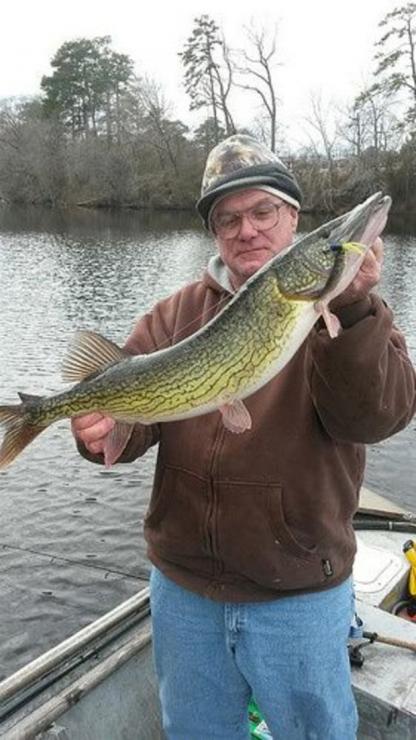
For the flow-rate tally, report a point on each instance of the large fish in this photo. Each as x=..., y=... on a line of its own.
x=229, y=358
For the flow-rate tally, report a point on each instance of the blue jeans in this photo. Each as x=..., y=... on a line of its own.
x=290, y=653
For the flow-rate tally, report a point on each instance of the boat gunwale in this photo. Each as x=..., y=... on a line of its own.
x=38, y=667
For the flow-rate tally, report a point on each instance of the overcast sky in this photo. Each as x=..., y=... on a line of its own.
x=324, y=45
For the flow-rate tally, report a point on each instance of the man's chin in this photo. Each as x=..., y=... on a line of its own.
x=241, y=276
x=250, y=265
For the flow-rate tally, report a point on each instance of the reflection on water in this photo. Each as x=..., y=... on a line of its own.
x=101, y=224
x=71, y=541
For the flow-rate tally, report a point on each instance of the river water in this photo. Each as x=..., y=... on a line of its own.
x=71, y=544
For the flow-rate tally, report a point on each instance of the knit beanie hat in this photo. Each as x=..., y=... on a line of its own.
x=238, y=163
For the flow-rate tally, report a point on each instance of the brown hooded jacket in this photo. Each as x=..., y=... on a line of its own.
x=266, y=513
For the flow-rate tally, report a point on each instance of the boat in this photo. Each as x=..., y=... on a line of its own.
x=100, y=684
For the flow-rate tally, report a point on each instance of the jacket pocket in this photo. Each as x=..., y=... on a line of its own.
x=284, y=534
x=174, y=525
x=255, y=540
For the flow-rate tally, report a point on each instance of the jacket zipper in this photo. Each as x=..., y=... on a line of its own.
x=211, y=517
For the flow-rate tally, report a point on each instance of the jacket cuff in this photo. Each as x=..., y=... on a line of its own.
x=99, y=459
x=353, y=312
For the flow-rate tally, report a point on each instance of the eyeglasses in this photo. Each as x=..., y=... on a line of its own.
x=263, y=216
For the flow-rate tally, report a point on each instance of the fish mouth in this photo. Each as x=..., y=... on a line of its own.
x=355, y=235
x=365, y=222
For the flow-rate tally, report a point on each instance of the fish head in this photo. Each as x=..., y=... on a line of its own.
x=352, y=238
x=324, y=263
x=364, y=223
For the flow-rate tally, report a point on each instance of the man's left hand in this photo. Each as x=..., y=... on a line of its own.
x=366, y=278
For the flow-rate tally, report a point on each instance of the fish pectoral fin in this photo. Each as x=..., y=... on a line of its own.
x=236, y=417
x=90, y=353
x=332, y=322
x=116, y=442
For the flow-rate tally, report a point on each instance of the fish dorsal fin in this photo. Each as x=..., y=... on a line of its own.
x=90, y=353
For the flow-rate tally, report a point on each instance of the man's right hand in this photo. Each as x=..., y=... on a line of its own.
x=92, y=430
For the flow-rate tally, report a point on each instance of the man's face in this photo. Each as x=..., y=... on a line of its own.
x=250, y=248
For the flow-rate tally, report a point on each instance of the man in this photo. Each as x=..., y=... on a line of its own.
x=250, y=535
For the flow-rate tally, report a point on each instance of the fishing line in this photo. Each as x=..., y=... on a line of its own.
x=167, y=342
x=335, y=246
x=170, y=340
x=143, y=576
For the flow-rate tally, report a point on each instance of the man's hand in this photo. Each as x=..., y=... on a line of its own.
x=92, y=430
x=366, y=278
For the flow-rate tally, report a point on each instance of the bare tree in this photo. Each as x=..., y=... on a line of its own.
x=224, y=78
x=323, y=142
x=353, y=129
x=369, y=122
x=32, y=154
x=164, y=134
x=257, y=65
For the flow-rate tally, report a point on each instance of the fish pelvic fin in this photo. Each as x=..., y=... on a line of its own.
x=90, y=354
x=116, y=441
x=235, y=416
x=19, y=432
x=332, y=321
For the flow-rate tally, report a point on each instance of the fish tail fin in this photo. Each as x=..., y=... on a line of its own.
x=19, y=432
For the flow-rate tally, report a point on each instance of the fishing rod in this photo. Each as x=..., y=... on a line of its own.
x=141, y=576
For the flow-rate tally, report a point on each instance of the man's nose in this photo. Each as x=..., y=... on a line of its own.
x=247, y=230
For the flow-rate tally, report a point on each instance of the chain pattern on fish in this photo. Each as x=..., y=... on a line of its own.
x=234, y=354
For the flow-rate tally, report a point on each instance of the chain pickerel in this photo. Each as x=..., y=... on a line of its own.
x=230, y=357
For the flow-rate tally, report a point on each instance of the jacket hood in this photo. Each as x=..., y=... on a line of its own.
x=216, y=276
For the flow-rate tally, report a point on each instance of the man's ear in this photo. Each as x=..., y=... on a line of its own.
x=294, y=213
